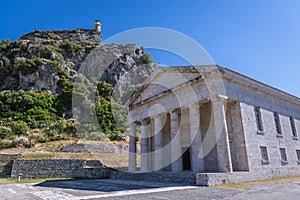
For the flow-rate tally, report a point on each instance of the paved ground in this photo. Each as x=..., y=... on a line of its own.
x=117, y=189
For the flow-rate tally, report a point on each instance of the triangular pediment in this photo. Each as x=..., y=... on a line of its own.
x=164, y=80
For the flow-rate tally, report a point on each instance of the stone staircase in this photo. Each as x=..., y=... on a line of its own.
x=6, y=164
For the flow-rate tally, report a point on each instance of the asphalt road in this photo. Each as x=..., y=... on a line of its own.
x=117, y=189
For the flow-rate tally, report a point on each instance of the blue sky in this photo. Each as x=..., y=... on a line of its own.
x=258, y=38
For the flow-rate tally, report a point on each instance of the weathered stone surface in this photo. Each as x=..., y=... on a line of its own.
x=59, y=169
x=164, y=177
x=230, y=139
x=96, y=148
x=77, y=36
x=6, y=164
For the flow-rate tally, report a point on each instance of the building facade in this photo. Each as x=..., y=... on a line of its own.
x=215, y=123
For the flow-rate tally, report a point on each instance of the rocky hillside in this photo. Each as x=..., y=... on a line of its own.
x=40, y=60
x=49, y=62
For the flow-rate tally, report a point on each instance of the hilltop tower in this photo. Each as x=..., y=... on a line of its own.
x=97, y=26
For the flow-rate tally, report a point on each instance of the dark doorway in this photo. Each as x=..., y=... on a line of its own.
x=186, y=160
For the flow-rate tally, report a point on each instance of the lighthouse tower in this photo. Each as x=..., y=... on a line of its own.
x=97, y=26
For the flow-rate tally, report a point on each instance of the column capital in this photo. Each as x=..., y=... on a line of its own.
x=194, y=105
x=133, y=124
x=219, y=98
x=132, y=131
x=176, y=111
x=160, y=115
x=145, y=121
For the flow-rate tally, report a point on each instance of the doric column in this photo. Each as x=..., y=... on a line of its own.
x=176, y=151
x=145, y=128
x=132, y=148
x=158, y=142
x=221, y=131
x=196, y=138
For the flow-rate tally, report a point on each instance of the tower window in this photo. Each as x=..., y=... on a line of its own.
x=277, y=124
x=259, y=123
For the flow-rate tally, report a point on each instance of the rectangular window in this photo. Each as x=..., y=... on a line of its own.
x=258, y=119
x=277, y=123
x=293, y=126
x=283, y=154
x=264, y=155
x=298, y=156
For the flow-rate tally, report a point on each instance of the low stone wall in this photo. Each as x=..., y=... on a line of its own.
x=164, y=177
x=59, y=169
x=210, y=179
x=96, y=148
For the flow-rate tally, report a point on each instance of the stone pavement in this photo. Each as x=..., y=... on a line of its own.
x=120, y=189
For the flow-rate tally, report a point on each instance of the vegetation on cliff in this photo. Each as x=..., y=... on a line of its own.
x=37, y=76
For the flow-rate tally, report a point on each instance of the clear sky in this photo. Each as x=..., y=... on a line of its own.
x=258, y=38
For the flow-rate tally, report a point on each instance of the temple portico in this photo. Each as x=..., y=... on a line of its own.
x=212, y=125
x=177, y=134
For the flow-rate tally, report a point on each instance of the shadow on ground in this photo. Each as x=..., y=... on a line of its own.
x=106, y=185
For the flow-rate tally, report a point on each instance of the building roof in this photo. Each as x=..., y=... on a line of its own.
x=206, y=70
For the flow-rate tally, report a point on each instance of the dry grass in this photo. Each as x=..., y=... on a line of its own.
x=256, y=183
x=40, y=147
x=52, y=155
x=46, y=151
x=116, y=161
x=37, y=180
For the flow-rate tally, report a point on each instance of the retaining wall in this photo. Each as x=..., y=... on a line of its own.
x=96, y=148
x=6, y=164
x=59, y=169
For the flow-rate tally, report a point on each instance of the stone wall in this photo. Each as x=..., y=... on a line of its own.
x=270, y=140
x=211, y=179
x=59, y=169
x=6, y=163
x=96, y=148
x=164, y=177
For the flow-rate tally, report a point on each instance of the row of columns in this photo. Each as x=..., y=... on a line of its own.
x=219, y=129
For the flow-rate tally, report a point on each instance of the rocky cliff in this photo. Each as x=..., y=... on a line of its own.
x=42, y=60
x=38, y=74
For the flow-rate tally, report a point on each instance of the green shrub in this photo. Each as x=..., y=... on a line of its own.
x=147, y=59
x=19, y=127
x=32, y=107
x=4, y=44
x=70, y=129
x=5, y=67
x=96, y=136
x=37, y=115
x=70, y=48
x=5, y=132
x=105, y=89
x=7, y=144
x=27, y=66
x=105, y=115
x=48, y=50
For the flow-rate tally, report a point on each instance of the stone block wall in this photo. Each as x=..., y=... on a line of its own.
x=59, y=169
x=96, y=148
x=163, y=177
x=270, y=140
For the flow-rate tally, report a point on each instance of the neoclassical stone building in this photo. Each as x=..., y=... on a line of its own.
x=215, y=123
